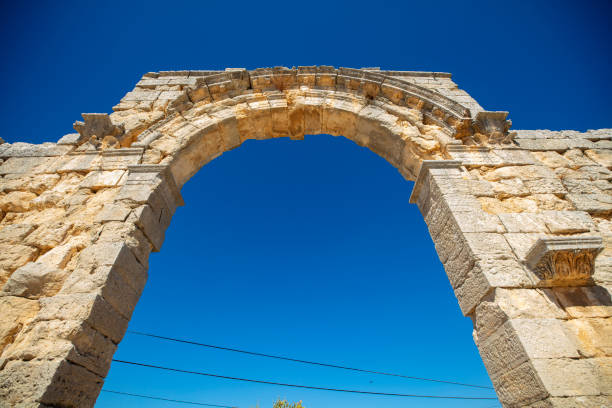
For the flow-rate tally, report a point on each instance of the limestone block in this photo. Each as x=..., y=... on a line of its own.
x=577, y=158
x=523, y=222
x=20, y=149
x=567, y=222
x=144, y=95
x=552, y=159
x=149, y=222
x=35, y=184
x=102, y=179
x=545, y=186
x=133, y=237
x=72, y=384
x=478, y=221
x=592, y=336
x=502, y=350
x=30, y=165
x=603, y=369
x=601, y=156
x=15, y=233
x=82, y=161
x=489, y=245
x=603, y=185
x=12, y=256
x=111, y=282
x=71, y=339
x=577, y=186
x=90, y=308
x=69, y=139
x=34, y=280
x=596, y=172
x=17, y=388
x=458, y=264
x=16, y=201
x=16, y=311
x=543, y=144
x=544, y=338
x=519, y=386
x=603, y=144
x=579, y=143
x=48, y=236
x=473, y=156
x=515, y=157
x=509, y=188
x=582, y=402
x=599, y=204
x=116, y=255
x=522, y=172
x=567, y=377
x=120, y=159
x=59, y=256
x=520, y=303
x=480, y=188
x=113, y=212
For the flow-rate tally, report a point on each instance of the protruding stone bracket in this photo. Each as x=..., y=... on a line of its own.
x=424, y=171
x=562, y=261
x=492, y=127
x=98, y=129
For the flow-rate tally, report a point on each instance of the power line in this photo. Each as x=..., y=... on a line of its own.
x=169, y=400
x=305, y=361
x=388, y=394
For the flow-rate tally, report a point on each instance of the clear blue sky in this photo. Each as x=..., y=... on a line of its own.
x=307, y=249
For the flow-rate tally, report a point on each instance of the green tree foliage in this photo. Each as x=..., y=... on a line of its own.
x=285, y=404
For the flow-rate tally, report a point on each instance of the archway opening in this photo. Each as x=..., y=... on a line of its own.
x=306, y=249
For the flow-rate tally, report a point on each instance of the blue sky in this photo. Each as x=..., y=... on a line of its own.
x=302, y=248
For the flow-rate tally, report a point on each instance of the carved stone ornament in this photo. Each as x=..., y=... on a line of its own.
x=561, y=261
x=98, y=130
x=492, y=128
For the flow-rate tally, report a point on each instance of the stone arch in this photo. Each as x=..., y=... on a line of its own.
x=519, y=242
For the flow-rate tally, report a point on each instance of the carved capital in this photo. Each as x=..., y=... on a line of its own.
x=426, y=167
x=492, y=128
x=560, y=261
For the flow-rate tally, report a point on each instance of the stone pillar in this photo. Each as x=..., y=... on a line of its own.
x=68, y=345
x=529, y=329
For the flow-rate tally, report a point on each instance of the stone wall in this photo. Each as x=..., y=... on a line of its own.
x=520, y=220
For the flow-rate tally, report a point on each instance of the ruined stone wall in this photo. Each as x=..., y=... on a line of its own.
x=520, y=220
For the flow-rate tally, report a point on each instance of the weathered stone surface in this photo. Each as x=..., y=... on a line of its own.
x=567, y=377
x=34, y=280
x=16, y=311
x=101, y=179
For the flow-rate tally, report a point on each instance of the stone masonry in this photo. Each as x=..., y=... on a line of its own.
x=521, y=220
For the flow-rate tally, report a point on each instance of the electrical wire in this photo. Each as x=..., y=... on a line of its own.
x=168, y=399
x=388, y=394
x=305, y=361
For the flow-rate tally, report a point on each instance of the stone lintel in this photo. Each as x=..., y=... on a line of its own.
x=559, y=261
x=426, y=166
